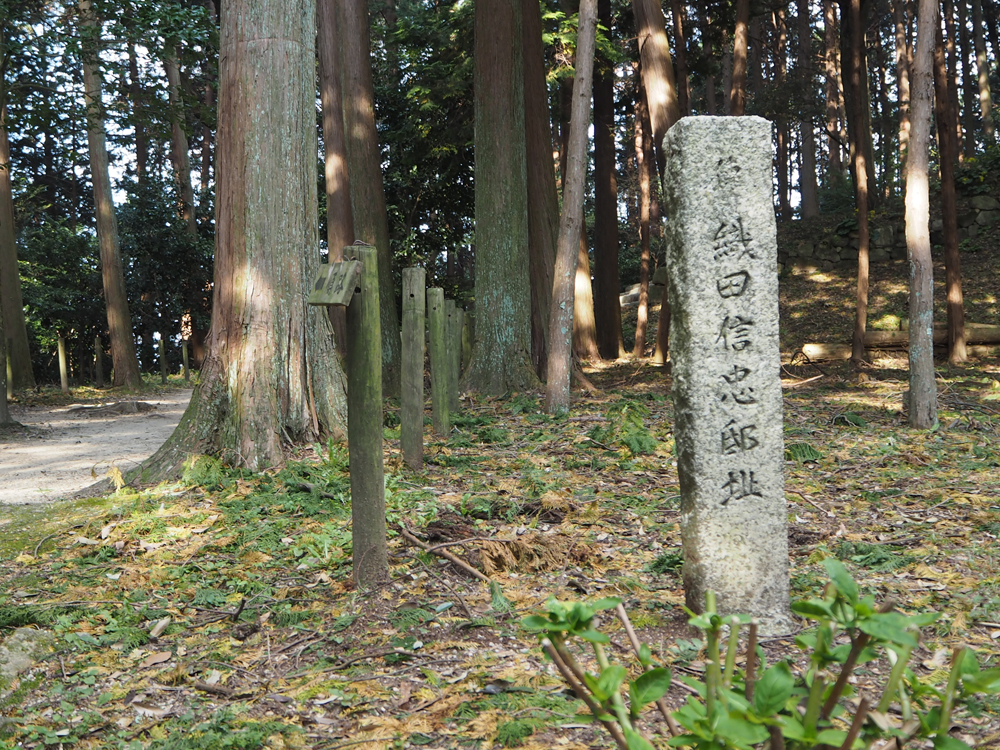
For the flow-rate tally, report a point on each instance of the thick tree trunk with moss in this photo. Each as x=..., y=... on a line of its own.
x=178, y=138
x=607, y=306
x=501, y=359
x=923, y=387
x=339, y=216
x=126, y=365
x=272, y=374
x=11, y=305
x=543, y=199
x=364, y=162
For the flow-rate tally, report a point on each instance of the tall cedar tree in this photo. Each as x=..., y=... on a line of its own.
x=983, y=70
x=807, y=173
x=948, y=147
x=923, y=388
x=861, y=166
x=738, y=91
x=543, y=198
x=339, y=218
x=644, y=166
x=904, y=54
x=571, y=220
x=501, y=356
x=272, y=373
x=126, y=365
x=607, y=305
x=178, y=137
x=371, y=222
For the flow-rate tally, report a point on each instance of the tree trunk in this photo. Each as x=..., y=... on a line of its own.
x=209, y=104
x=883, y=119
x=948, y=9
x=832, y=88
x=4, y=410
x=948, y=149
x=780, y=123
x=982, y=67
x=339, y=219
x=923, y=387
x=857, y=104
x=680, y=58
x=861, y=166
x=903, y=55
x=644, y=168
x=126, y=366
x=657, y=72
x=708, y=57
x=571, y=220
x=741, y=38
x=501, y=357
x=11, y=303
x=178, y=139
x=271, y=374
x=584, y=323
x=990, y=18
x=969, y=83
x=807, y=174
x=543, y=200
x=140, y=139
x=364, y=163
x=607, y=305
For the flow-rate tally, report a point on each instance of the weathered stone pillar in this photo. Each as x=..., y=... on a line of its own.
x=723, y=286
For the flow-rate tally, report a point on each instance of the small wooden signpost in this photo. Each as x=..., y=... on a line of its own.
x=354, y=283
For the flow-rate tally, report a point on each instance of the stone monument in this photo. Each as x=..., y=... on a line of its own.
x=723, y=292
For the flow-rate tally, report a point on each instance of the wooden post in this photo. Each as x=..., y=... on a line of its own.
x=98, y=362
x=411, y=410
x=439, y=361
x=163, y=361
x=458, y=319
x=450, y=316
x=468, y=336
x=184, y=359
x=63, y=372
x=364, y=426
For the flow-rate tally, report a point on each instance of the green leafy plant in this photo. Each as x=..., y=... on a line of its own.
x=735, y=709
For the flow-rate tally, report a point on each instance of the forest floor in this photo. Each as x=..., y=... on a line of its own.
x=220, y=612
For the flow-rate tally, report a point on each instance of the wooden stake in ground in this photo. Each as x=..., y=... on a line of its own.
x=455, y=334
x=564, y=278
x=63, y=369
x=450, y=347
x=411, y=407
x=364, y=426
x=439, y=361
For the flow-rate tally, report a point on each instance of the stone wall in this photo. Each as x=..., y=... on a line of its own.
x=837, y=249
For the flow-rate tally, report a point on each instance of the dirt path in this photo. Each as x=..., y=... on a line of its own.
x=64, y=449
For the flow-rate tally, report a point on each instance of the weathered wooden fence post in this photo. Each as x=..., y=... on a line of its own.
x=184, y=359
x=457, y=321
x=364, y=425
x=411, y=409
x=98, y=362
x=439, y=360
x=163, y=361
x=450, y=315
x=63, y=369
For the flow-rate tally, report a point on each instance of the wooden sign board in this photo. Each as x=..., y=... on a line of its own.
x=335, y=283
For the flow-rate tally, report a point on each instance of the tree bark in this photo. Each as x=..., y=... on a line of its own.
x=543, y=200
x=657, y=72
x=923, y=387
x=807, y=174
x=607, y=304
x=584, y=322
x=126, y=366
x=571, y=220
x=11, y=303
x=339, y=218
x=857, y=104
x=945, y=118
x=209, y=105
x=680, y=58
x=983, y=70
x=970, y=91
x=861, y=166
x=832, y=87
x=140, y=139
x=644, y=168
x=948, y=9
x=882, y=120
x=903, y=55
x=178, y=138
x=741, y=38
x=364, y=162
x=4, y=410
x=501, y=357
x=780, y=123
x=271, y=375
